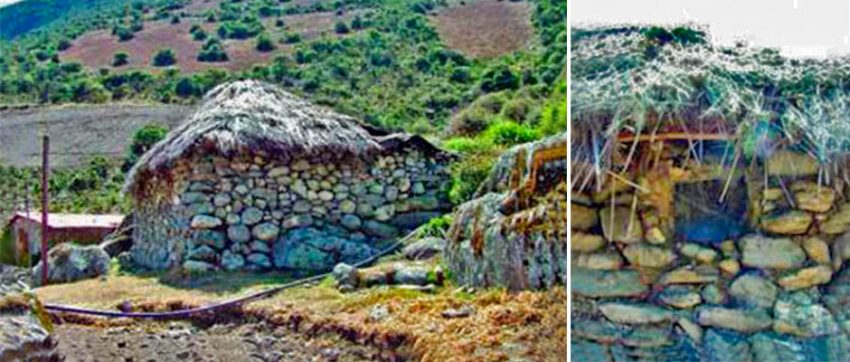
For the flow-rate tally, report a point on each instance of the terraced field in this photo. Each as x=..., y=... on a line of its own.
x=485, y=28
x=77, y=132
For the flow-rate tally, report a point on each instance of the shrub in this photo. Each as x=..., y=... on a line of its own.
x=279, y=23
x=470, y=121
x=460, y=75
x=164, y=58
x=467, y=176
x=120, y=59
x=499, y=78
x=175, y=19
x=509, y=133
x=291, y=38
x=357, y=23
x=341, y=28
x=468, y=145
x=264, y=44
x=185, y=88
x=517, y=109
x=553, y=117
x=199, y=35
x=143, y=140
x=212, y=51
x=63, y=44
x=437, y=227
x=123, y=33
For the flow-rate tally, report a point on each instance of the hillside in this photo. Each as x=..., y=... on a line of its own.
x=24, y=16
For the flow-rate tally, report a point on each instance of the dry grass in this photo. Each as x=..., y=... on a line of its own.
x=504, y=326
x=485, y=28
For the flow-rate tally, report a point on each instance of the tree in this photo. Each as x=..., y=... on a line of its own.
x=264, y=44
x=120, y=59
x=164, y=58
x=143, y=140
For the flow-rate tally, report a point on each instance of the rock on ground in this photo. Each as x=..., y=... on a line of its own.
x=70, y=262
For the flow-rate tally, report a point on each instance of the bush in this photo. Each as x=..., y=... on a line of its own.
x=199, y=35
x=185, y=88
x=460, y=75
x=63, y=44
x=437, y=227
x=264, y=44
x=291, y=38
x=499, y=78
x=517, y=109
x=123, y=33
x=467, y=176
x=470, y=121
x=143, y=140
x=164, y=58
x=175, y=19
x=212, y=51
x=120, y=59
x=468, y=145
x=509, y=133
x=341, y=28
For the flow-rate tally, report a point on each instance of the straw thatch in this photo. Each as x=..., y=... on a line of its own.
x=652, y=80
x=250, y=116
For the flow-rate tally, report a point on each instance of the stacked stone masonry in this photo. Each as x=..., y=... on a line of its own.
x=778, y=292
x=257, y=213
x=514, y=234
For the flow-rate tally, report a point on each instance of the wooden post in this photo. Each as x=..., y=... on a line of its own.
x=45, y=203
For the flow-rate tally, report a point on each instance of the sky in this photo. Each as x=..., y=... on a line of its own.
x=799, y=28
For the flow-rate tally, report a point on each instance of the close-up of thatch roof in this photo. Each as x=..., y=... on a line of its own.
x=650, y=80
x=248, y=116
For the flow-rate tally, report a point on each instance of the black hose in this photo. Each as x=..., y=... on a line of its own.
x=226, y=304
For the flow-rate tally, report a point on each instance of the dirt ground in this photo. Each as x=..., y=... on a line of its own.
x=180, y=341
x=401, y=324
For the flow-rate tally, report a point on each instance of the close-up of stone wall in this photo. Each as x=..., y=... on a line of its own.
x=661, y=267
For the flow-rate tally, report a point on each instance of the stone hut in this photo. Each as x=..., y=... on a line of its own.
x=259, y=179
x=709, y=216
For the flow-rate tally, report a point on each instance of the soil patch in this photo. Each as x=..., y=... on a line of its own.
x=485, y=28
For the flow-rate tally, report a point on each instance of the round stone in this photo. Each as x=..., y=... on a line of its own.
x=418, y=188
x=351, y=222
x=266, y=231
x=238, y=233
x=252, y=215
x=347, y=207
x=326, y=196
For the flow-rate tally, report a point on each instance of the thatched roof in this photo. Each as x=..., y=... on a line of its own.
x=650, y=80
x=248, y=116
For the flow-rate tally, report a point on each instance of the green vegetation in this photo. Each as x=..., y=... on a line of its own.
x=390, y=69
x=142, y=141
x=164, y=58
x=212, y=51
x=264, y=44
x=120, y=59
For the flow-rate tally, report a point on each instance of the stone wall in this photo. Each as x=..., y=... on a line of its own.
x=779, y=292
x=514, y=235
x=259, y=213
